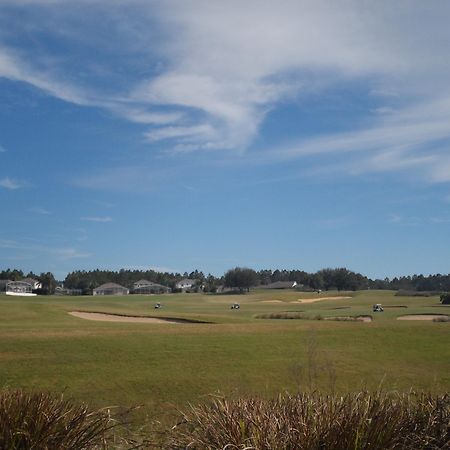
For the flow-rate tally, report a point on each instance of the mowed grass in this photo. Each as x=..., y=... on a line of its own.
x=163, y=367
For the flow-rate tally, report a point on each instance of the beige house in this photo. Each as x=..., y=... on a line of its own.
x=148, y=287
x=111, y=289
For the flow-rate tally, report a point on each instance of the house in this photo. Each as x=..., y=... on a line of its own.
x=35, y=284
x=185, y=284
x=111, y=289
x=281, y=285
x=19, y=288
x=60, y=290
x=148, y=287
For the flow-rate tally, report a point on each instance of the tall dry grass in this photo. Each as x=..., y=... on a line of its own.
x=40, y=421
x=362, y=421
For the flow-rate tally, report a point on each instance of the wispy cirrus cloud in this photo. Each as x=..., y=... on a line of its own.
x=98, y=219
x=69, y=253
x=413, y=139
x=32, y=250
x=210, y=76
x=39, y=210
x=132, y=179
x=12, y=183
x=417, y=221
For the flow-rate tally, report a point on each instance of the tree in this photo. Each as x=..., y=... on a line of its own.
x=48, y=283
x=241, y=277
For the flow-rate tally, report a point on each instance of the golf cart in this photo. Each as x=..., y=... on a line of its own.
x=377, y=308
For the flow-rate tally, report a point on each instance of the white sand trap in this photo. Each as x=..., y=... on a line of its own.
x=318, y=299
x=103, y=317
x=421, y=317
x=365, y=318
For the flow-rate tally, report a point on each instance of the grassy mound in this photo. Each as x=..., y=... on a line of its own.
x=316, y=421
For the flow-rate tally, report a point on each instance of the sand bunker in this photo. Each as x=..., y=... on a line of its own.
x=365, y=318
x=318, y=299
x=103, y=317
x=422, y=317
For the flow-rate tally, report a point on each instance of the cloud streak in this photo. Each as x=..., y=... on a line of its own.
x=39, y=210
x=12, y=184
x=32, y=250
x=98, y=219
x=213, y=72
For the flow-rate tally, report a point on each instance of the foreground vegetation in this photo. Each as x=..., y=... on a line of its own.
x=162, y=368
x=359, y=421
x=42, y=421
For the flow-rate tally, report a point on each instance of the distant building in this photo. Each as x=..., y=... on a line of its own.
x=20, y=288
x=111, y=289
x=185, y=284
x=35, y=284
x=148, y=287
x=60, y=290
x=281, y=285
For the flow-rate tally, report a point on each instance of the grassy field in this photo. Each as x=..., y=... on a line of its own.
x=165, y=366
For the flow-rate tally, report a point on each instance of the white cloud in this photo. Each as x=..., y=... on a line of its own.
x=100, y=219
x=69, y=253
x=200, y=131
x=407, y=139
x=11, y=183
x=212, y=71
x=2, y=149
x=132, y=179
x=33, y=250
x=39, y=210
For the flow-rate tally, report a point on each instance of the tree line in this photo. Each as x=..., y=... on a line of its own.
x=238, y=277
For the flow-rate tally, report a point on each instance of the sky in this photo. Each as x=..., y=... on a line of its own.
x=182, y=135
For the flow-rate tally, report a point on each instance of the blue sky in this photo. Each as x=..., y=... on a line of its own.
x=194, y=134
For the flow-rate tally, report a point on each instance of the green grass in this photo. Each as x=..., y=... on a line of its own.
x=165, y=366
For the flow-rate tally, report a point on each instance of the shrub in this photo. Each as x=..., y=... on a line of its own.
x=281, y=315
x=42, y=421
x=316, y=421
x=408, y=293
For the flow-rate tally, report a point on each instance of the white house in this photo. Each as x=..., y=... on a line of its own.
x=185, y=284
x=148, y=287
x=111, y=289
x=35, y=284
x=281, y=285
x=19, y=288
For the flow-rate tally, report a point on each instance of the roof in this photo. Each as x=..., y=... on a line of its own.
x=144, y=283
x=110, y=286
x=280, y=285
x=186, y=281
x=30, y=280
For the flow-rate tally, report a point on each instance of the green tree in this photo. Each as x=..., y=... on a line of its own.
x=48, y=283
x=241, y=277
